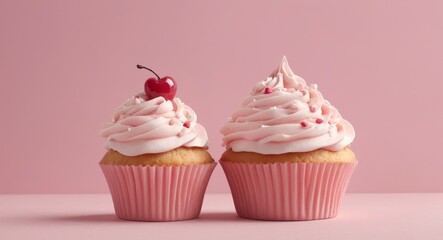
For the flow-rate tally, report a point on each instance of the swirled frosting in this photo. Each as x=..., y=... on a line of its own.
x=283, y=115
x=142, y=126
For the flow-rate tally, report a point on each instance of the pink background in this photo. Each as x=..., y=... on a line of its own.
x=66, y=65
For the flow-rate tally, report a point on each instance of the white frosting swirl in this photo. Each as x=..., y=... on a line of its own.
x=282, y=115
x=142, y=126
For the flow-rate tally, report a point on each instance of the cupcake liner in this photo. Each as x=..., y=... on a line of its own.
x=288, y=191
x=157, y=193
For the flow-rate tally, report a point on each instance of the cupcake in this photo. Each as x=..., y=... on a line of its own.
x=157, y=165
x=287, y=151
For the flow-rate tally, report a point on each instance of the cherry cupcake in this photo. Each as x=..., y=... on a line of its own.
x=157, y=165
x=287, y=151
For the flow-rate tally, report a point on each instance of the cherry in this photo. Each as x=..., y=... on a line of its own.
x=165, y=87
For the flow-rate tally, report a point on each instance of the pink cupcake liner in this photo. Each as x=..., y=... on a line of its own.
x=158, y=193
x=288, y=191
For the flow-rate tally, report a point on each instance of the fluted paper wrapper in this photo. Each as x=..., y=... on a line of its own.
x=157, y=193
x=288, y=191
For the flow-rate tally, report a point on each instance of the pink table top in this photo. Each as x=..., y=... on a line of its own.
x=362, y=216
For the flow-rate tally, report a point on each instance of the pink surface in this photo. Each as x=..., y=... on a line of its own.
x=288, y=191
x=65, y=66
x=158, y=193
x=363, y=216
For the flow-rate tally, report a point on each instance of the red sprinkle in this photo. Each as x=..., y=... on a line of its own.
x=303, y=124
x=187, y=124
x=268, y=90
x=319, y=120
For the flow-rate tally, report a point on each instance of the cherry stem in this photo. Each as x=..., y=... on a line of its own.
x=143, y=67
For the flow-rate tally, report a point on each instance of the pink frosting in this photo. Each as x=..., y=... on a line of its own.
x=293, y=117
x=142, y=126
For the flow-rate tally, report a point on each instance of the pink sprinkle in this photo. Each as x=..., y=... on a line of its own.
x=319, y=120
x=268, y=90
x=313, y=108
x=187, y=124
x=304, y=124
